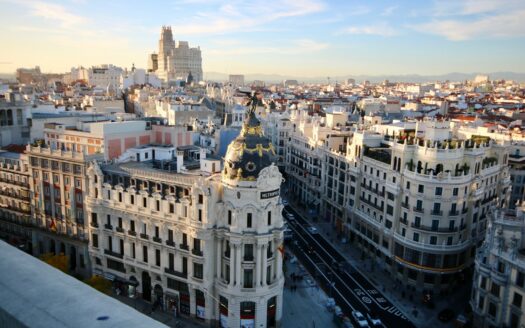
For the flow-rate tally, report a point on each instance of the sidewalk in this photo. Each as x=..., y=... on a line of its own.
x=166, y=318
x=383, y=281
x=304, y=307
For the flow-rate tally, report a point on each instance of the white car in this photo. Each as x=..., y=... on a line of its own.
x=359, y=319
x=290, y=217
x=313, y=230
x=375, y=321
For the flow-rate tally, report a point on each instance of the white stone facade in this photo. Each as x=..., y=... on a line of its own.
x=208, y=239
x=499, y=278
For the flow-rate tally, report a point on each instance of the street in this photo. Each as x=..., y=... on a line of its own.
x=338, y=278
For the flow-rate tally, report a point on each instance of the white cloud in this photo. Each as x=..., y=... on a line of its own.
x=388, y=11
x=295, y=47
x=243, y=16
x=503, y=25
x=381, y=29
x=51, y=11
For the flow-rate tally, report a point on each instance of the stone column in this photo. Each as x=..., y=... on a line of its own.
x=258, y=260
x=264, y=264
x=238, y=264
x=219, y=257
x=279, y=259
x=232, y=266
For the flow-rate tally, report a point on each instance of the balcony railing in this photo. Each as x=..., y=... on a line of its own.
x=437, y=213
x=94, y=224
x=434, y=229
x=111, y=253
x=185, y=247
x=170, y=243
x=132, y=233
x=157, y=240
x=248, y=258
x=418, y=209
x=197, y=252
x=176, y=273
x=119, y=229
x=144, y=236
x=108, y=226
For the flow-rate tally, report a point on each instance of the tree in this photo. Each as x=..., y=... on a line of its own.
x=99, y=283
x=59, y=261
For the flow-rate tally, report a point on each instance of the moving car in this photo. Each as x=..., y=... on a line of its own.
x=374, y=320
x=285, y=202
x=360, y=319
x=288, y=234
x=290, y=217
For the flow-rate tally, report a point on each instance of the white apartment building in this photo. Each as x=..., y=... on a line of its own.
x=412, y=194
x=236, y=79
x=499, y=278
x=278, y=127
x=422, y=197
x=199, y=241
x=105, y=76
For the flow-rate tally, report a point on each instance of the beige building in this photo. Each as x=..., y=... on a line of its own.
x=179, y=232
x=499, y=279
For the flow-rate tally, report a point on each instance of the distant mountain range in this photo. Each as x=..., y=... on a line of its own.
x=416, y=78
x=453, y=77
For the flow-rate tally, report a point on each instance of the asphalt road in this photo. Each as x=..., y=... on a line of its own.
x=338, y=278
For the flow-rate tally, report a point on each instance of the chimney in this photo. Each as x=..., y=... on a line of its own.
x=180, y=158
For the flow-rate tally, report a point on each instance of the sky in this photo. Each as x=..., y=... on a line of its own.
x=288, y=37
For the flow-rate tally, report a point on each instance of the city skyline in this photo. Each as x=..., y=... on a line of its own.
x=301, y=38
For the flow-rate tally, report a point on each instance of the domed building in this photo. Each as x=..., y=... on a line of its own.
x=253, y=230
x=203, y=241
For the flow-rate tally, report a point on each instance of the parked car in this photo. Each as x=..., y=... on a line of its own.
x=446, y=315
x=288, y=234
x=374, y=320
x=313, y=230
x=285, y=202
x=360, y=319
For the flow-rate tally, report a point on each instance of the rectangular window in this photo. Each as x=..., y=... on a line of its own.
x=172, y=208
x=201, y=198
x=110, y=243
x=133, y=250
x=493, y=309
x=158, y=205
x=229, y=217
x=95, y=240
x=416, y=236
x=249, y=220
x=421, y=188
x=145, y=254
x=494, y=289
x=120, y=222
x=144, y=202
x=132, y=199
x=132, y=225
x=197, y=270
x=121, y=246
x=248, y=252
x=170, y=235
x=516, y=301
x=433, y=240
x=248, y=278
x=269, y=217
x=157, y=231
x=171, y=261
x=455, y=191
x=389, y=210
x=157, y=257
x=417, y=221
x=120, y=197
x=199, y=215
x=439, y=191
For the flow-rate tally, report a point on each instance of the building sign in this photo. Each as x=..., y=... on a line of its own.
x=247, y=323
x=201, y=312
x=270, y=194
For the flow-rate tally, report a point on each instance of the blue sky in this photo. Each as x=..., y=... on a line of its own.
x=291, y=37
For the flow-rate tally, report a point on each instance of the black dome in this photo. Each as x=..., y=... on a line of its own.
x=250, y=152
